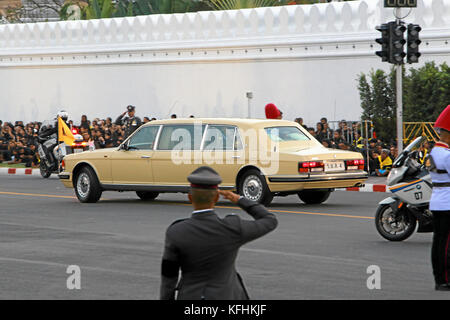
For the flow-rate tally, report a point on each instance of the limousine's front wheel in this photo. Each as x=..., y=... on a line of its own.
x=314, y=196
x=253, y=186
x=147, y=196
x=87, y=187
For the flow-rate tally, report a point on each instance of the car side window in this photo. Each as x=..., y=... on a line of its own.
x=282, y=134
x=181, y=137
x=220, y=137
x=144, y=139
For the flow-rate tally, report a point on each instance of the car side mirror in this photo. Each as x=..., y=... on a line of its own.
x=123, y=146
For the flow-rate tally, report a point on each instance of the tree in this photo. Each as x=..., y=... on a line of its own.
x=426, y=92
x=378, y=102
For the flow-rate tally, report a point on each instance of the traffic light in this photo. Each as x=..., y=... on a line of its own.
x=413, y=53
x=397, y=42
x=384, y=41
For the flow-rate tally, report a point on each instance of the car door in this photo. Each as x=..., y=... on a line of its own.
x=132, y=164
x=177, y=154
x=223, y=151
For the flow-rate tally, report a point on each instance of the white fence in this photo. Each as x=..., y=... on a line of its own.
x=305, y=59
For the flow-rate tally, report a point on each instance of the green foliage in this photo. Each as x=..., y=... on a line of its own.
x=98, y=9
x=426, y=92
x=242, y=4
x=378, y=102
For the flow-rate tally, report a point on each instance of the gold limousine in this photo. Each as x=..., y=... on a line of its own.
x=259, y=159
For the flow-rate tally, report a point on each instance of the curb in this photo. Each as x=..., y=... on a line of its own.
x=367, y=188
x=20, y=171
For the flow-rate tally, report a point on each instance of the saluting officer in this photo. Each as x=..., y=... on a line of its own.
x=439, y=166
x=131, y=122
x=204, y=247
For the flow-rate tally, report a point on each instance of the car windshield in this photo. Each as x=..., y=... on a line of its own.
x=284, y=134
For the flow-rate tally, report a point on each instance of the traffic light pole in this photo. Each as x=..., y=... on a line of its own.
x=392, y=43
x=399, y=84
x=399, y=108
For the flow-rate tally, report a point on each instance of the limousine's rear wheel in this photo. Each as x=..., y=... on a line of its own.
x=253, y=186
x=314, y=196
x=87, y=186
x=147, y=195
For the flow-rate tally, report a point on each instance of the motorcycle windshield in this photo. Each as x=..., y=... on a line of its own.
x=415, y=144
x=47, y=124
x=411, y=147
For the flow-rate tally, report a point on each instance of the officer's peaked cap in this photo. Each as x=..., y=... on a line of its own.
x=204, y=178
x=131, y=108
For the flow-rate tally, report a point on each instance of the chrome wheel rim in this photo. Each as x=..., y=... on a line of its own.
x=253, y=188
x=83, y=185
x=391, y=224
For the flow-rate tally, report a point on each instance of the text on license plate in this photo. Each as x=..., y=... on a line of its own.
x=332, y=166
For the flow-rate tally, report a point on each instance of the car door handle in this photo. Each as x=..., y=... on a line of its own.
x=145, y=157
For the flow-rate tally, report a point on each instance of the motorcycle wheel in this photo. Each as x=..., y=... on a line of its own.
x=394, y=228
x=45, y=172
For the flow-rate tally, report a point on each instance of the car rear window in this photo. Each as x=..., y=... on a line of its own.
x=284, y=134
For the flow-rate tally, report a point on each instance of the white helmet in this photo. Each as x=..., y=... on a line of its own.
x=63, y=115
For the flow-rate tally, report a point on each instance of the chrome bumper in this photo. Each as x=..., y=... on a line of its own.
x=320, y=177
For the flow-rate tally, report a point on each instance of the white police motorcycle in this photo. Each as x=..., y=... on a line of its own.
x=51, y=153
x=411, y=186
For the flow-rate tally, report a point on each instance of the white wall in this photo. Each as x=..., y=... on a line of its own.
x=305, y=59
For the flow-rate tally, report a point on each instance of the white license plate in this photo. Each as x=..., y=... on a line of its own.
x=334, y=166
x=77, y=150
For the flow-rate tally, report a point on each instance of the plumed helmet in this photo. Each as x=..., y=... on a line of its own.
x=63, y=115
x=272, y=111
x=443, y=121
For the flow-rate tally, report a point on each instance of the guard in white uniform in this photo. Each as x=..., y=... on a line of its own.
x=439, y=165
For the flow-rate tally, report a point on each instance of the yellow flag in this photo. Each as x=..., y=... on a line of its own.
x=64, y=133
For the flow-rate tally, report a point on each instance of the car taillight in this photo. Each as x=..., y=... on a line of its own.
x=357, y=164
x=63, y=165
x=310, y=166
x=79, y=144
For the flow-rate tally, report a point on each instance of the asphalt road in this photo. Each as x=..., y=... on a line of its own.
x=317, y=252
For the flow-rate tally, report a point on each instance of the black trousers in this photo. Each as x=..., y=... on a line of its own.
x=440, y=251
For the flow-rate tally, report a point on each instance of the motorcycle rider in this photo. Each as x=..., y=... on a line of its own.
x=131, y=122
x=438, y=164
x=50, y=144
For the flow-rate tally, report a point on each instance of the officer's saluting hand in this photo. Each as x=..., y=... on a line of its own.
x=204, y=247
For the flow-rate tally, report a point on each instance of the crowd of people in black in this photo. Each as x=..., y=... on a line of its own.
x=18, y=141
x=378, y=155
